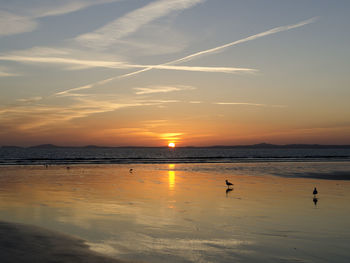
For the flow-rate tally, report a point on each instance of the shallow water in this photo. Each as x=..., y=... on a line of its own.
x=184, y=213
x=159, y=155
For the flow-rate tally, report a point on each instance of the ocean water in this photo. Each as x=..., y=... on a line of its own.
x=96, y=155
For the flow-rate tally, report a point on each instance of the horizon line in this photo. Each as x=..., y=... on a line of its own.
x=185, y=146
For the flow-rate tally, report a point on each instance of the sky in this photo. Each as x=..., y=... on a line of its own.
x=192, y=72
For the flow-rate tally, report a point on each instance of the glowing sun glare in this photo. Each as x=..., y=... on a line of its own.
x=171, y=145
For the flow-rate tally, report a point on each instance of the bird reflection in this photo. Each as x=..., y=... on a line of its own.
x=228, y=190
x=315, y=200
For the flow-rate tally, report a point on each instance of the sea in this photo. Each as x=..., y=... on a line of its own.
x=159, y=155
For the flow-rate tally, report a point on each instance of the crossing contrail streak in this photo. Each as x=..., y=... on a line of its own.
x=204, y=52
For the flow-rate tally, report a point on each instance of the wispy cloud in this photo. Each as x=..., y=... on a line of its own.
x=30, y=99
x=250, y=38
x=30, y=114
x=69, y=61
x=5, y=73
x=149, y=124
x=34, y=116
x=167, y=65
x=202, y=69
x=161, y=89
x=55, y=8
x=69, y=91
x=209, y=51
x=117, y=65
x=133, y=21
x=148, y=67
x=250, y=104
x=23, y=18
x=11, y=24
x=174, y=136
x=156, y=38
x=221, y=48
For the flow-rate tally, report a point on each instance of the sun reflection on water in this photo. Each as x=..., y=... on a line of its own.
x=171, y=176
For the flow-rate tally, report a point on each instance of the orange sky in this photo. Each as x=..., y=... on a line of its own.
x=156, y=72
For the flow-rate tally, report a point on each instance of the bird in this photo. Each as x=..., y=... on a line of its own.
x=315, y=191
x=228, y=183
x=130, y=171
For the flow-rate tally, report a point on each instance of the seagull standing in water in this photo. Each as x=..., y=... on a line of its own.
x=228, y=183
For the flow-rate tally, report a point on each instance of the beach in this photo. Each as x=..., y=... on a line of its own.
x=24, y=243
x=176, y=212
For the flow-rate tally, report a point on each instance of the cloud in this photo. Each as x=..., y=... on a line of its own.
x=158, y=102
x=82, y=63
x=212, y=50
x=69, y=58
x=174, y=136
x=55, y=8
x=68, y=92
x=69, y=61
x=202, y=69
x=4, y=73
x=144, y=68
x=221, y=48
x=11, y=24
x=148, y=67
x=250, y=38
x=46, y=8
x=153, y=39
x=250, y=104
x=39, y=116
x=115, y=64
x=161, y=89
x=22, y=16
x=30, y=100
x=149, y=124
x=132, y=22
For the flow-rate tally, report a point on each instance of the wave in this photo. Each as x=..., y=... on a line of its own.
x=36, y=156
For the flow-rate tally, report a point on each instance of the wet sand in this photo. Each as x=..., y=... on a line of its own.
x=177, y=213
x=25, y=243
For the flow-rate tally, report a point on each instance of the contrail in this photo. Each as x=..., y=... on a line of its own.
x=253, y=37
x=205, y=52
x=219, y=48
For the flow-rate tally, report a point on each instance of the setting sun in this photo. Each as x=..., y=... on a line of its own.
x=171, y=145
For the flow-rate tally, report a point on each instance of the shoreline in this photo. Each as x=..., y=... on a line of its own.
x=335, y=174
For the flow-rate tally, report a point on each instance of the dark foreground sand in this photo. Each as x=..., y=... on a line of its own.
x=24, y=243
